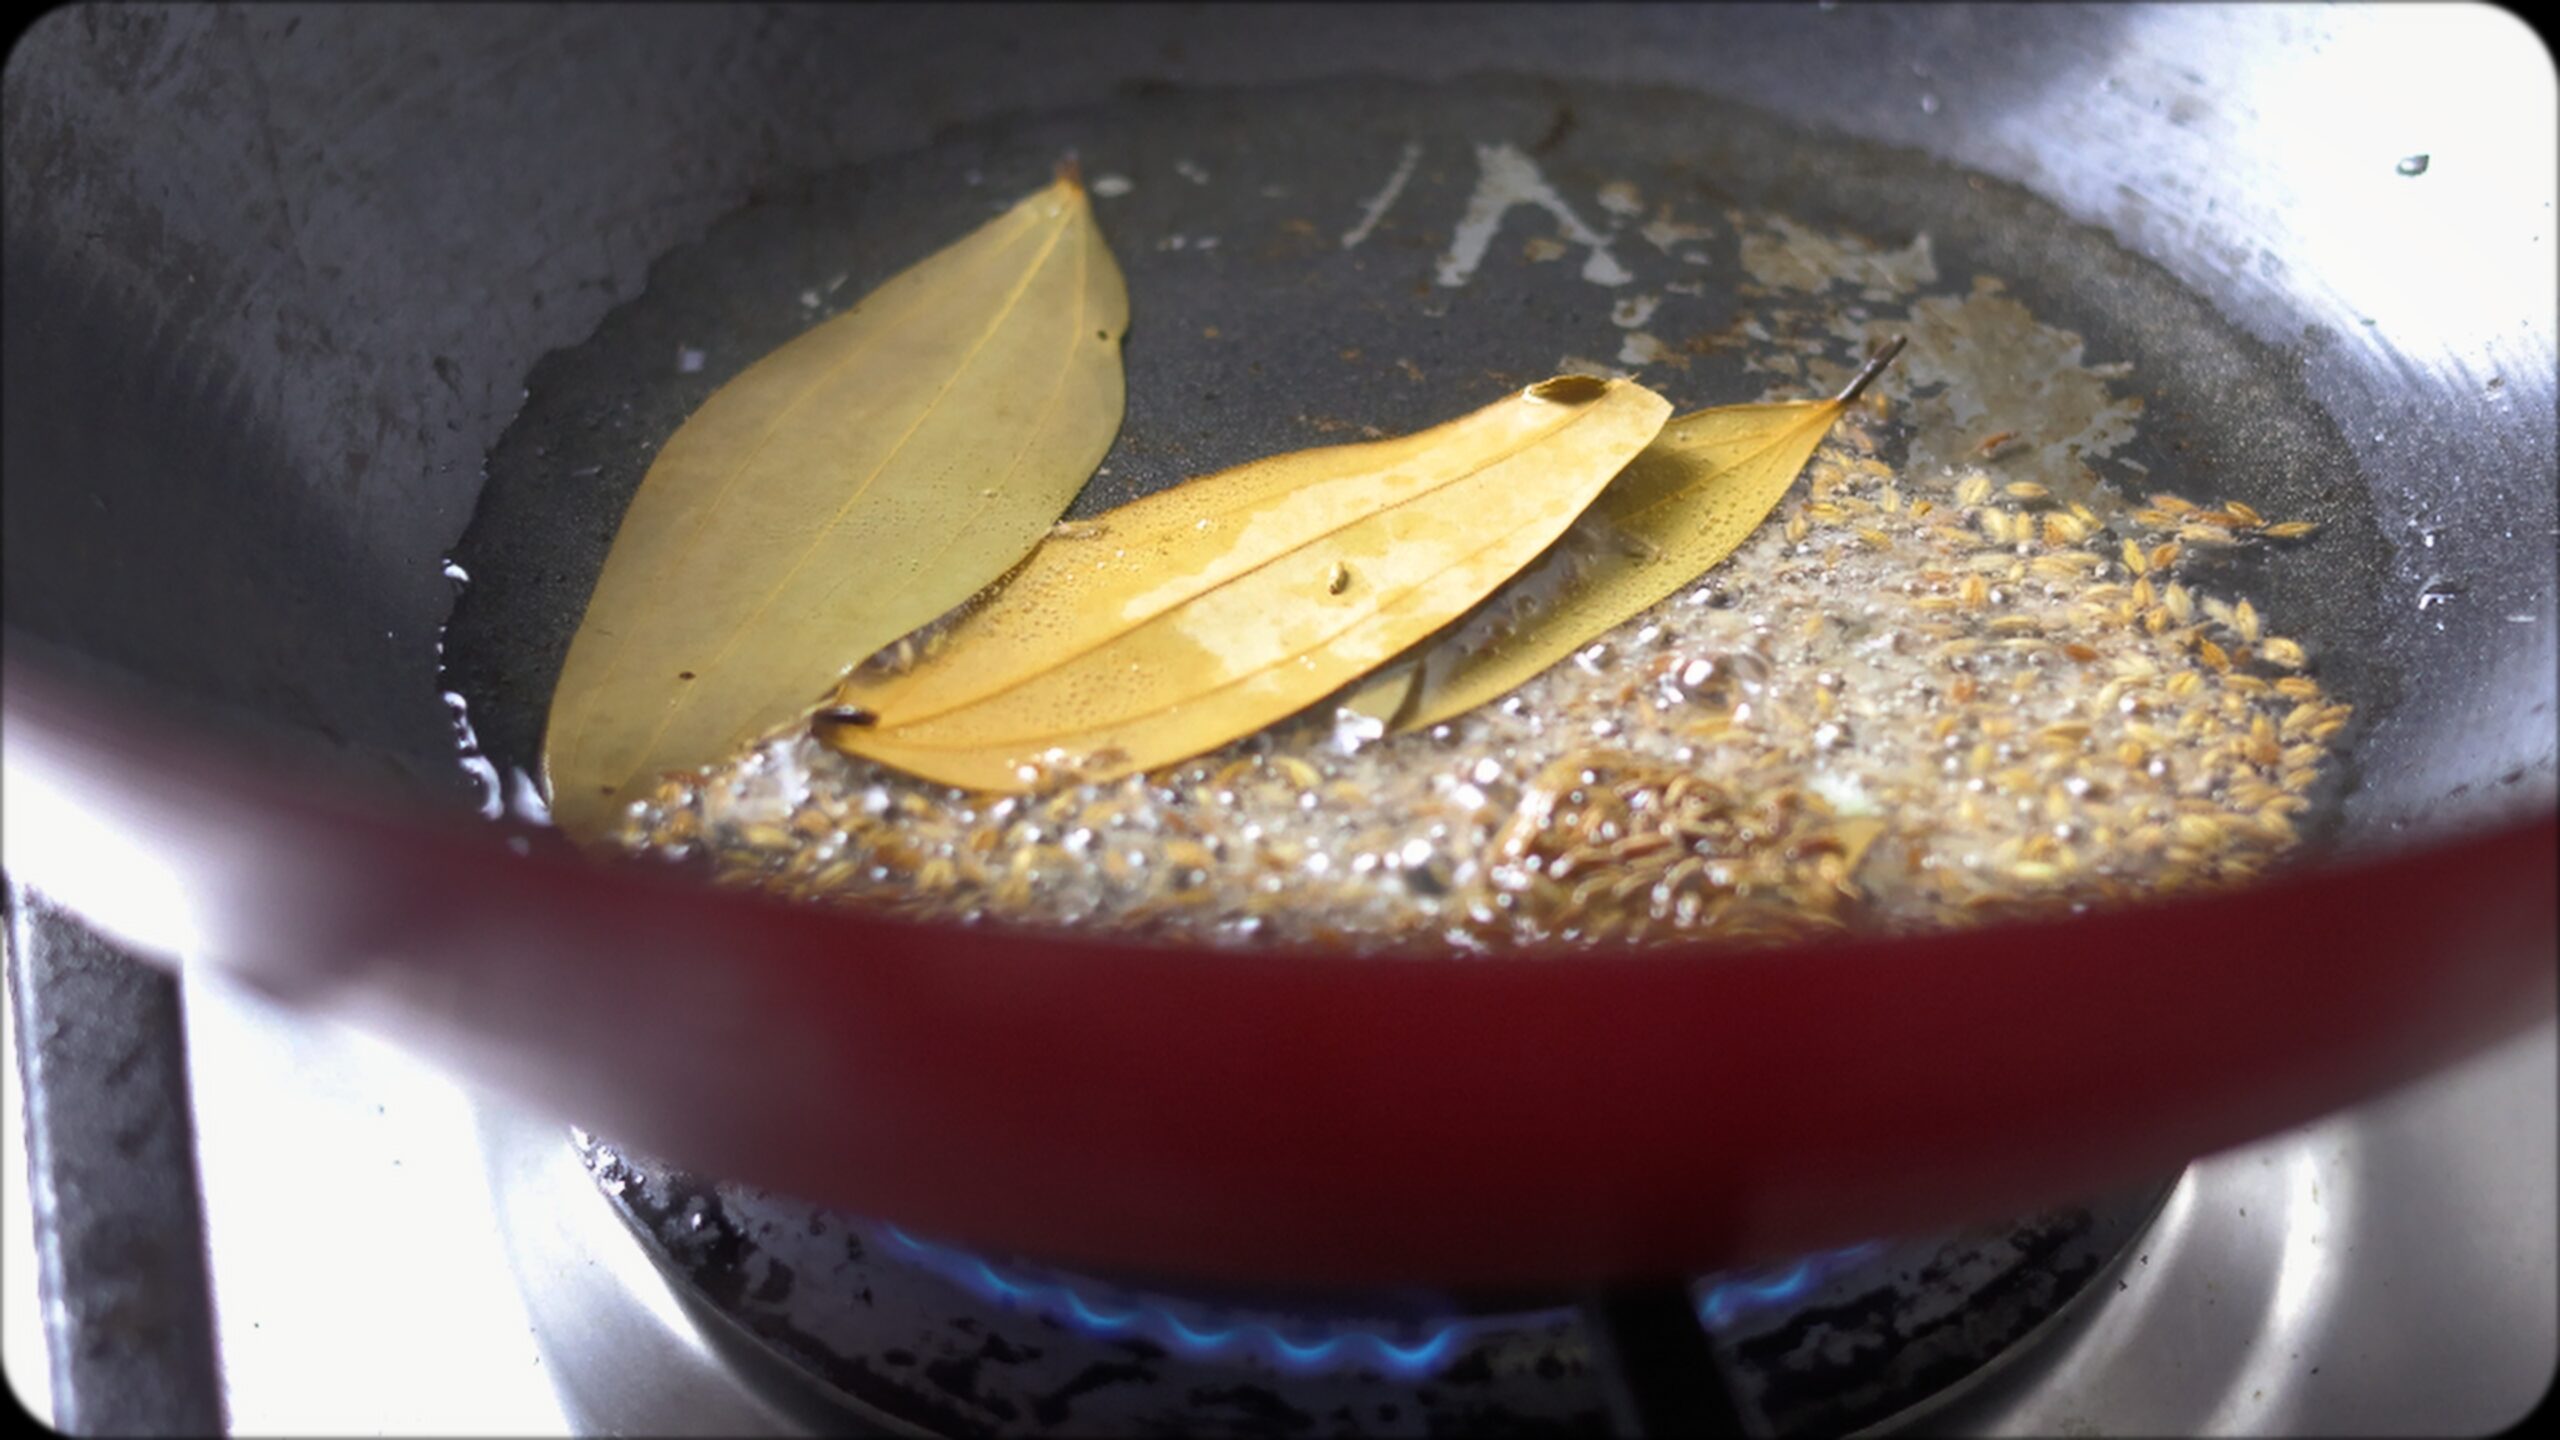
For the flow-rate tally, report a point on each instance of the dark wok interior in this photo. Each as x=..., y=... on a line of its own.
x=275, y=279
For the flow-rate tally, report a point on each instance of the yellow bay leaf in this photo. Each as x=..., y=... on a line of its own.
x=1689, y=500
x=1211, y=609
x=840, y=492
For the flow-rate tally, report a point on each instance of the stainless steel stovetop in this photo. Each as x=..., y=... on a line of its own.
x=392, y=1256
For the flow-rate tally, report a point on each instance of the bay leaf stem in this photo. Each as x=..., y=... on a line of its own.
x=1869, y=371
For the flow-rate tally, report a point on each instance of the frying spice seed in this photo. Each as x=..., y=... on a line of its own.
x=1920, y=726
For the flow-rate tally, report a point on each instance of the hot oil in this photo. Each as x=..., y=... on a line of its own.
x=1967, y=668
x=1886, y=709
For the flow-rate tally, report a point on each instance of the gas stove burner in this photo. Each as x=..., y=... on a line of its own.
x=1202, y=1330
x=845, y=1320
x=1298, y=1343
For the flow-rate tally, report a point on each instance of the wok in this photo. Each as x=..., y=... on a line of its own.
x=275, y=280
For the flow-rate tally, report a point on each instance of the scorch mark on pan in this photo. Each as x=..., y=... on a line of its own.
x=1663, y=232
x=1640, y=349
x=1507, y=177
x=1378, y=204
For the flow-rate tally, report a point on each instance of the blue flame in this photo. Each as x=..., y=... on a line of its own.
x=1189, y=1330
x=1195, y=1332
x=1720, y=1301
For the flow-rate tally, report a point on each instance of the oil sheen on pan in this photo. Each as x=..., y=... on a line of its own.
x=2066, y=609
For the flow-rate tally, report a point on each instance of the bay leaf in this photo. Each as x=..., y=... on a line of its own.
x=1688, y=501
x=843, y=490
x=1211, y=609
